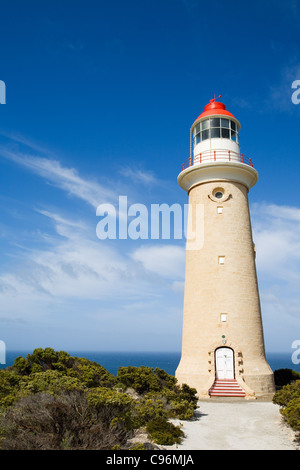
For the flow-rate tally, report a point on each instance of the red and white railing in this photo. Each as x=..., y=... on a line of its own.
x=217, y=156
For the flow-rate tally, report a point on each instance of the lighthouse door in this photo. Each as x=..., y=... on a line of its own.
x=224, y=363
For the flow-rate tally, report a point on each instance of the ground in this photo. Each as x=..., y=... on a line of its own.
x=236, y=424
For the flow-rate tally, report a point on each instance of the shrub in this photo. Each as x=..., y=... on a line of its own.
x=140, y=446
x=285, y=376
x=181, y=409
x=164, y=433
x=113, y=407
x=63, y=421
x=289, y=400
x=157, y=383
x=292, y=413
x=9, y=384
x=51, y=400
x=142, y=379
x=149, y=408
x=161, y=396
x=89, y=373
x=189, y=394
x=287, y=393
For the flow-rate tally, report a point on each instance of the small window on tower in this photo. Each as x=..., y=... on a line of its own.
x=221, y=259
x=220, y=209
x=223, y=317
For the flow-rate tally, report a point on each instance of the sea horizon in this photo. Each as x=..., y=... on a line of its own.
x=166, y=360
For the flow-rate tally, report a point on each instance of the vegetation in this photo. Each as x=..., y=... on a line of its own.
x=51, y=400
x=285, y=376
x=163, y=432
x=288, y=397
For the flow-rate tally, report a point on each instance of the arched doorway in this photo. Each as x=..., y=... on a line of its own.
x=224, y=361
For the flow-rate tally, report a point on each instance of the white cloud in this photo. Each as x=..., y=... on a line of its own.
x=68, y=179
x=140, y=176
x=73, y=267
x=276, y=232
x=70, y=280
x=61, y=220
x=79, y=266
x=89, y=289
x=167, y=261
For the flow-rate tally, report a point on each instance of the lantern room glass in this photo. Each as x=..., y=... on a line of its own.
x=214, y=128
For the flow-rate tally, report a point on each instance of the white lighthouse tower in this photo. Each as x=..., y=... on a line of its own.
x=223, y=350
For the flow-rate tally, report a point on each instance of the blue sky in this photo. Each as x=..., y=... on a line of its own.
x=100, y=97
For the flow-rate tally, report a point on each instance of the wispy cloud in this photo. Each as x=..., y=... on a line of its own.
x=65, y=227
x=164, y=260
x=276, y=232
x=43, y=162
x=83, y=277
x=280, y=93
x=277, y=237
x=140, y=176
x=68, y=179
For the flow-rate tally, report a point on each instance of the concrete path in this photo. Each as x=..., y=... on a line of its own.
x=236, y=424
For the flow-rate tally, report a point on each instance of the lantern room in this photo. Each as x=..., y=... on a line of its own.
x=215, y=130
x=215, y=149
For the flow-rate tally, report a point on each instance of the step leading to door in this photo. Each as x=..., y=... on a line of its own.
x=226, y=388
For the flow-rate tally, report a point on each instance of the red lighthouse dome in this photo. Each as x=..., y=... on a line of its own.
x=214, y=108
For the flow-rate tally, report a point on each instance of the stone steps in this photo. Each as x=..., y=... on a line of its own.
x=226, y=388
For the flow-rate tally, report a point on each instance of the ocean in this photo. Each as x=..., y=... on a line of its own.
x=167, y=361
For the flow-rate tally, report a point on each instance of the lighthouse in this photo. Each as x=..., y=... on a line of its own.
x=223, y=352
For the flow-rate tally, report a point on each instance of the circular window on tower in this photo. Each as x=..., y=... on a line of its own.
x=218, y=193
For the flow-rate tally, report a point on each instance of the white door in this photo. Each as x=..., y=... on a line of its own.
x=224, y=363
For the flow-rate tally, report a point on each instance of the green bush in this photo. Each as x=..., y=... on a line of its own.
x=64, y=421
x=9, y=385
x=181, y=409
x=90, y=373
x=289, y=400
x=164, y=433
x=149, y=408
x=140, y=446
x=292, y=413
x=113, y=407
x=285, y=376
x=155, y=384
x=60, y=390
x=287, y=393
x=142, y=379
